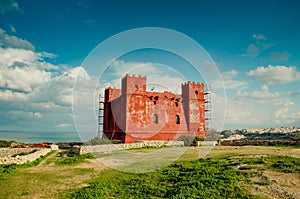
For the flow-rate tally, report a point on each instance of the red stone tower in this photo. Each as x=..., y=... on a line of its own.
x=134, y=114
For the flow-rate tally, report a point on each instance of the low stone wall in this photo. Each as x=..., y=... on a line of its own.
x=7, y=153
x=108, y=148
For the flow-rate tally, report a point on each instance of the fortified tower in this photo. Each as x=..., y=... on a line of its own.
x=194, y=108
x=132, y=84
x=132, y=113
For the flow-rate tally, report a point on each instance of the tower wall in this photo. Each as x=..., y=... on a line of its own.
x=194, y=107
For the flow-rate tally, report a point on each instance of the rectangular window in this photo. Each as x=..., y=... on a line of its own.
x=155, y=118
x=177, y=119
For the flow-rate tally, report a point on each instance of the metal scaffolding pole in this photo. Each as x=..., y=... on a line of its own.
x=100, y=116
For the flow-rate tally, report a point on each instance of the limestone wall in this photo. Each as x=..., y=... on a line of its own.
x=108, y=148
x=4, y=152
x=9, y=155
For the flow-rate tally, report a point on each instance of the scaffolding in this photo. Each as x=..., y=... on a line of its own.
x=208, y=107
x=101, y=116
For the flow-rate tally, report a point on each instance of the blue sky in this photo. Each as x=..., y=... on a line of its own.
x=255, y=45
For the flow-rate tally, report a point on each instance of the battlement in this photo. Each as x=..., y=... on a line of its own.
x=194, y=84
x=134, y=76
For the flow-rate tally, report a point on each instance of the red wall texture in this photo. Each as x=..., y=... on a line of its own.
x=133, y=114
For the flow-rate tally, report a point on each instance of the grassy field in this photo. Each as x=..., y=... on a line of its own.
x=226, y=172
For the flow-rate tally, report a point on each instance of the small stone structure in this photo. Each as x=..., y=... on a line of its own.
x=10, y=155
x=54, y=147
x=108, y=148
x=207, y=143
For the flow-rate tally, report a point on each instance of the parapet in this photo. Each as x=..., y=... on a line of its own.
x=134, y=76
x=194, y=84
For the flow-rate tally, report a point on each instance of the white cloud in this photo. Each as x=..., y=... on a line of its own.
x=8, y=5
x=8, y=95
x=261, y=109
x=262, y=96
x=259, y=37
x=23, y=79
x=50, y=101
x=228, y=75
x=259, y=44
x=9, y=41
x=282, y=113
x=160, y=76
x=23, y=70
x=252, y=51
x=59, y=89
x=24, y=115
x=244, y=114
x=12, y=29
x=235, y=84
x=275, y=74
x=229, y=83
x=17, y=57
x=63, y=125
x=280, y=56
x=31, y=88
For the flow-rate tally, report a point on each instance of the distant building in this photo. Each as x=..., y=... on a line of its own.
x=132, y=113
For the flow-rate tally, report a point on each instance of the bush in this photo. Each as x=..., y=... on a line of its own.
x=98, y=141
x=4, y=143
x=189, y=140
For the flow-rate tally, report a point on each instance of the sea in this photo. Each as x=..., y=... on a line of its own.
x=39, y=137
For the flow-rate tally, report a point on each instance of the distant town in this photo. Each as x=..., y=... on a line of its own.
x=280, y=135
x=265, y=130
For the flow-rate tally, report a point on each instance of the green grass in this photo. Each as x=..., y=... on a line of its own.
x=145, y=148
x=205, y=178
x=74, y=159
x=284, y=164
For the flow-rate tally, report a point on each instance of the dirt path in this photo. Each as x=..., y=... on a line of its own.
x=279, y=185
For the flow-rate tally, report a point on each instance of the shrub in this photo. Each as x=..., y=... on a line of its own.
x=99, y=141
x=189, y=140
